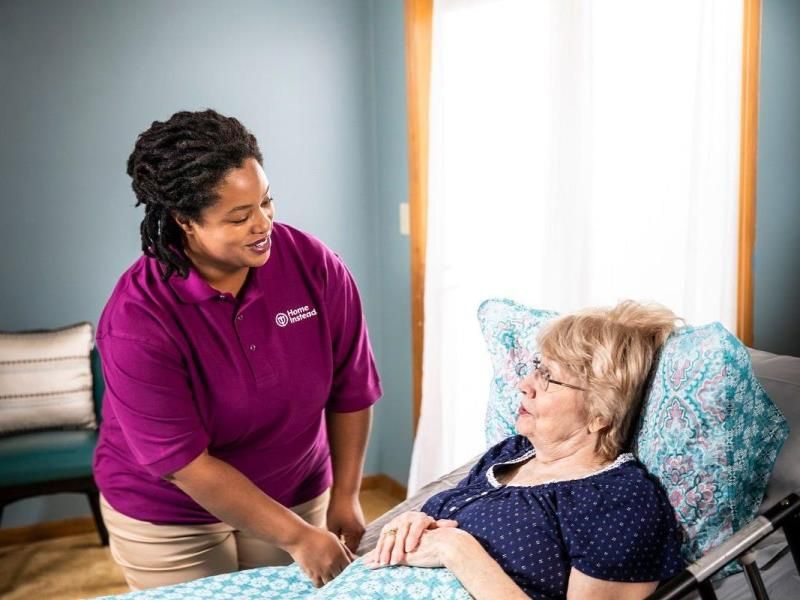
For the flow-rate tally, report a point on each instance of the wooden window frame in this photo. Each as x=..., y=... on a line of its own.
x=418, y=33
x=418, y=29
x=751, y=57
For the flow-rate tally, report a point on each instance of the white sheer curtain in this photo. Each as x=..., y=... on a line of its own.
x=581, y=152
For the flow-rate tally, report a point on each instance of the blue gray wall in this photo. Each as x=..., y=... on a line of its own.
x=320, y=83
x=391, y=143
x=777, y=253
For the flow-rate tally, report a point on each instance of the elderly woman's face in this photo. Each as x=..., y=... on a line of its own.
x=554, y=415
x=235, y=232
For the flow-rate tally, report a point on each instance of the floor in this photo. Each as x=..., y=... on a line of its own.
x=79, y=567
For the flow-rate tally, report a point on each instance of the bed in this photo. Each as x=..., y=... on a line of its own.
x=771, y=569
x=779, y=568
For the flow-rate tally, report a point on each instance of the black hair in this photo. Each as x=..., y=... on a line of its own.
x=175, y=168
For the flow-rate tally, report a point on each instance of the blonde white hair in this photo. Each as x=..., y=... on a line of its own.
x=611, y=351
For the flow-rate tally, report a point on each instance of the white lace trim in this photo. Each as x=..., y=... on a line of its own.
x=621, y=459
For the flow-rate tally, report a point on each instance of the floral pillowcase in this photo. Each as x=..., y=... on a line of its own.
x=510, y=331
x=708, y=431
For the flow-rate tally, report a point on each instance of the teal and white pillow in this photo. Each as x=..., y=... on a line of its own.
x=708, y=431
x=510, y=331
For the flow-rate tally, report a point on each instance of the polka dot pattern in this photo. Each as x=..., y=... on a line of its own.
x=616, y=524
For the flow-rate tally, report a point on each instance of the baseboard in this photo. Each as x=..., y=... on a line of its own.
x=384, y=483
x=46, y=531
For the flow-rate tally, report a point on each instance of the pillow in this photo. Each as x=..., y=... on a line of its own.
x=510, y=331
x=46, y=379
x=709, y=432
x=724, y=433
x=356, y=582
x=780, y=376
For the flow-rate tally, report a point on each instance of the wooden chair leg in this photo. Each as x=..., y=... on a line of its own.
x=94, y=502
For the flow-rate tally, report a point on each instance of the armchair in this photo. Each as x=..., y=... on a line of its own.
x=52, y=462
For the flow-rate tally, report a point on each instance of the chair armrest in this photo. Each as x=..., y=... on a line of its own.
x=98, y=384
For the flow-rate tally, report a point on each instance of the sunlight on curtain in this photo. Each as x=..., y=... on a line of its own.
x=580, y=153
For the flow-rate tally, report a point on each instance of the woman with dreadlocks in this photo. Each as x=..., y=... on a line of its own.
x=239, y=374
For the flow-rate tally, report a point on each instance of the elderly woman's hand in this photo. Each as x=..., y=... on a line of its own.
x=434, y=548
x=436, y=545
x=402, y=535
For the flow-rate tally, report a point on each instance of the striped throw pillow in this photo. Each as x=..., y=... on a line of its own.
x=46, y=379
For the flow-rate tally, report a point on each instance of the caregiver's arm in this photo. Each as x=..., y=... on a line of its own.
x=348, y=433
x=230, y=496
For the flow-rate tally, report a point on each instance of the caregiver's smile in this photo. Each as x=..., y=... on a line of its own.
x=234, y=233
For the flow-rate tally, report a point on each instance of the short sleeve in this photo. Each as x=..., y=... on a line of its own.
x=620, y=529
x=148, y=390
x=356, y=384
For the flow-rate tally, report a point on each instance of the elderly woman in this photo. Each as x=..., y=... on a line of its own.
x=560, y=510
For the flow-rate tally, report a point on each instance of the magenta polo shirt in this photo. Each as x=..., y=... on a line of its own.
x=188, y=368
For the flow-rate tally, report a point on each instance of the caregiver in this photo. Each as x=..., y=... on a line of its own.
x=239, y=374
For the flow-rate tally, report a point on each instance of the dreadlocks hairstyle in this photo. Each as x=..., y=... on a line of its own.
x=175, y=168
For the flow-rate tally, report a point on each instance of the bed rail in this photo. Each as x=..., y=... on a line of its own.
x=785, y=514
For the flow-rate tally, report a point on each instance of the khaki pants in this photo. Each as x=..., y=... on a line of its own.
x=154, y=555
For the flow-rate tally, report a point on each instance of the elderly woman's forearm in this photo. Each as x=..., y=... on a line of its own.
x=479, y=573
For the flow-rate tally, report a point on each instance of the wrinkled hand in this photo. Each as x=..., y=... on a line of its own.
x=320, y=555
x=402, y=535
x=431, y=551
x=346, y=520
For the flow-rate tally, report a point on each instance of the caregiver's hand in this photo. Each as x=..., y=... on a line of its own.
x=346, y=520
x=320, y=554
x=402, y=535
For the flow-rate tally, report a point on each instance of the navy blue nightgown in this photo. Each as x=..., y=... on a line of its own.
x=616, y=524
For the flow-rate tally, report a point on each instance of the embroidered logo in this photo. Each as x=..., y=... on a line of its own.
x=295, y=315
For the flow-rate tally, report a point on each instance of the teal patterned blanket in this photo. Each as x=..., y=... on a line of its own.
x=357, y=582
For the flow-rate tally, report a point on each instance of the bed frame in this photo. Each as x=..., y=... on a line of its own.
x=783, y=515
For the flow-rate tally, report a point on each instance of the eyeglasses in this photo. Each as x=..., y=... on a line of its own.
x=542, y=373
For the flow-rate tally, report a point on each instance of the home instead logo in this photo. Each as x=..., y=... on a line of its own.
x=294, y=315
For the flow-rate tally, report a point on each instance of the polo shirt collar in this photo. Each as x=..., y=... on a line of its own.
x=194, y=289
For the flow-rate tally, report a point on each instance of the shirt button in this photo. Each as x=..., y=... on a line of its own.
x=239, y=317
x=252, y=347
x=222, y=296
